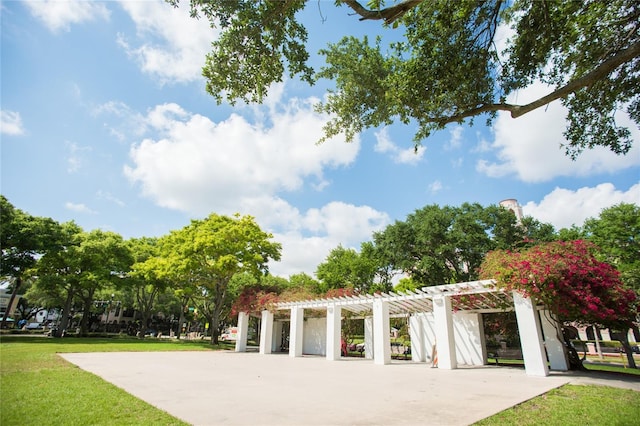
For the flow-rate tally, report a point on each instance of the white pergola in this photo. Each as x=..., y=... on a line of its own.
x=446, y=317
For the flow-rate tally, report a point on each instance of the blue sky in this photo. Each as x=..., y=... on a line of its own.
x=105, y=121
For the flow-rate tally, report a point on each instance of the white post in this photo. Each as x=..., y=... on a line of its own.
x=535, y=362
x=243, y=332
x=334, y=328
x=381, y=339
x=555, y=348
x=368, y=338
x=418, y=348
x=266, y=332
x=296, y=338
x=445, y=341
x=469, y=338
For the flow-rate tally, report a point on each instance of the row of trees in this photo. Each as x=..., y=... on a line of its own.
x=68, y=268
x=214, y=263
x=443, y=245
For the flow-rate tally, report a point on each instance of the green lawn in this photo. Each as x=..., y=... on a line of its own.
x=38, y=387
x=574, y=405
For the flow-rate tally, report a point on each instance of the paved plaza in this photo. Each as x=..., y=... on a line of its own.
x=228, y=388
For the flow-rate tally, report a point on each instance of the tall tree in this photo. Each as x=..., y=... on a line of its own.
x=23, y=239
x=346, y=268
x=147, y=278
x=617, y=233
x=211, y=251
x=446, y=68
x=443, y=245
x=87, y=263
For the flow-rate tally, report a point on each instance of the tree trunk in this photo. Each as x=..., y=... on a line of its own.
x=86, y=312
x=11, y=300
x=215, y=323
x=64, y=322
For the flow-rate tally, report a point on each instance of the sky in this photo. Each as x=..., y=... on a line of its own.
x=105, y=120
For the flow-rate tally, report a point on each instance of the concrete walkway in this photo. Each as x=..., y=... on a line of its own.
x=227, y=388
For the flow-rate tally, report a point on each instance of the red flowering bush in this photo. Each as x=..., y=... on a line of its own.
x=255, y=299
x=568, y=279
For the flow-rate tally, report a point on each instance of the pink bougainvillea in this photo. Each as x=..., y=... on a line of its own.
x=255, y=299
x=568, y=279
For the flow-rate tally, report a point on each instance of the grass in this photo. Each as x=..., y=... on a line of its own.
x=38, y=387
x=573, y=405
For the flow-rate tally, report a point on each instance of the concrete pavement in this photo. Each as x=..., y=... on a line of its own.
x=227, y=388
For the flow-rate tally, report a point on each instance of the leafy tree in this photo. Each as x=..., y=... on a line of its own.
x=88, y=263
x=374, y=261
x=102, y=261
x=446, y=68
x=23, y=238
x=305, y=281
x=568, y=279
x=571, y=234
x=211, y=251
x=617, y=233
x=147, y=277
x=536, y=232
x=346, y=268
x=443, y=245
x=406, y=284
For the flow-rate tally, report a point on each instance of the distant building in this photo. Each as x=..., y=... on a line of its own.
x=512, y=204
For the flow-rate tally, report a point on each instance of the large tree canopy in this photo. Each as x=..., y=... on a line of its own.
x=617, y=233
x=207, y=254
x=447, y=67
x=23, y=239
x=444, y=245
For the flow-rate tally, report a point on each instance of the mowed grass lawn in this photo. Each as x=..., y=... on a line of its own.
x=38, y=387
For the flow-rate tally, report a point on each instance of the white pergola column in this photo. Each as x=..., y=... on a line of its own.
x=381, y=339
x=334, y=328
x=416, y=333
x=368, y=338
x=535, y=361
x=296, y=337
x=266, y=332
x=469, y=338
x=445, y=341
x=243, y=332
x=555, y=348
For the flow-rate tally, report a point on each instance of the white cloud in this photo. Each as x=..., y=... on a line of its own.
x=110, y=197
x=456, y=138
x=172, y=45
x=314, y=234
x=435, y=186
x=385, y=145
x=198, y=166
x=11, y=123
x=76, y=157
x=563, y=207
x=58, y=15
x=529, y=146
x=78, y=208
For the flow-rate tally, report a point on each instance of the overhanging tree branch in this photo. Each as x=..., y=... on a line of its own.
x=586, y=80
x=389, y=14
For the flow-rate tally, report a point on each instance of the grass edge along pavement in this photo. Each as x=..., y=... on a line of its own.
x=39, y=387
